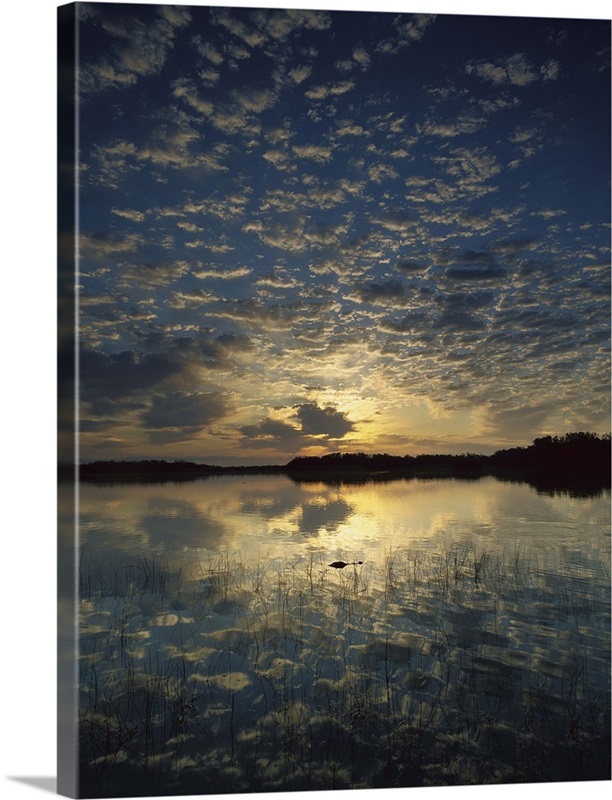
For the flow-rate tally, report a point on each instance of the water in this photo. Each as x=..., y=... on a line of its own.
x=220, y=652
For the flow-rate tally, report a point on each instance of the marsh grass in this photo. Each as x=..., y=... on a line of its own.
x=454, y=667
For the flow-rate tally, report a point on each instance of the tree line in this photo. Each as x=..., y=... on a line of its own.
x=572, y=459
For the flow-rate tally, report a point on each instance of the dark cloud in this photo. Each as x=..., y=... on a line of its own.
x=513, y=246
x=192, y=527
x=327, y=516
x=179, y=415
x=397, y=221
x=457, y=320
x=475, y=273
x=273, y=433
x=100, y=245
x=317, y=426
x=217, y=352
x=390, y=293
x=474, y=258
x=467, y=300
x=416, y=322
x=118, y=376
x=204, y=350
x=255, y=221
x=505, y=421
x=410, y=267
x=323, y=421
x=120, y=384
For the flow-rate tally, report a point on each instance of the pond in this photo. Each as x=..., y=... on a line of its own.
x=465, y=641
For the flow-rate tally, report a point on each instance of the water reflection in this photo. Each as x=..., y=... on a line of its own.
x=220, y=653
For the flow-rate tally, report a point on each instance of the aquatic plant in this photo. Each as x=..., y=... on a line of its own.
x=457, y=666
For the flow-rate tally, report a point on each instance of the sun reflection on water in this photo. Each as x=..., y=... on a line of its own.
x=471, y=646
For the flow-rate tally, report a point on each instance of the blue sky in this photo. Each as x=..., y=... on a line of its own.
x=316, y=231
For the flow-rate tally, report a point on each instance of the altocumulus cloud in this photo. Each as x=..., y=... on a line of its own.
x=137, y=50
x=267, y=207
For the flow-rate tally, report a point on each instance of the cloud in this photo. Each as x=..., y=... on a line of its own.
x=234, y=120
x=299, y=234
x=348, y=128
x=114, y=163
x=416, y=322
x=470, y=165
x=108, y=379
x=471, y=169
x=152, y=274
x=99, y=245
x=180, y=415
x=378, y=172
x=277, y=279
x=413, y=28
x=549, y=213
x=317, y=426
x=514, y=419
x=328, y=422
x=474, y=258
x=139, y=48
x=397, y=222
x=271, y=432
x=168, y=146
x=299, y=74
x=390, y=293
x=260, y=27
x=224, y=207
x=459, y=321
x=239, y=115
x=226, y=274
x=316, y=152
x=349, y=252
x=163, y=365
x=515, y=70
x=410, y=28
x=322, y=92
x=475, y=273
x=209, y=76
x=484, y=299
x=207, y=50
x=410, y=267
x=129, y=213
x=280, y=24
x=550, y=71
x=185, y=89
x=279, y=158
x=362, y=57
x=463, y=124
x=238, y=27
x=255, y=100
x=510, y=247
x=325, y=197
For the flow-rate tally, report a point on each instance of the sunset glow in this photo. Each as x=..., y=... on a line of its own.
x=305, y=232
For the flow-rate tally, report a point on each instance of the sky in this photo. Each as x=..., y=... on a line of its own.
x=313, y=231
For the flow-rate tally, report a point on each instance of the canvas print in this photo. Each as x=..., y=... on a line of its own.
x=334, y=450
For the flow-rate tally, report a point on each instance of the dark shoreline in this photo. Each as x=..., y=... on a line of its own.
x=576, y=462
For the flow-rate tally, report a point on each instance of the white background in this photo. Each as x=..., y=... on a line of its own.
x=27, y=396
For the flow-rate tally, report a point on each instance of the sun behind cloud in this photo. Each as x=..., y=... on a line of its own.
x=318, y=231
